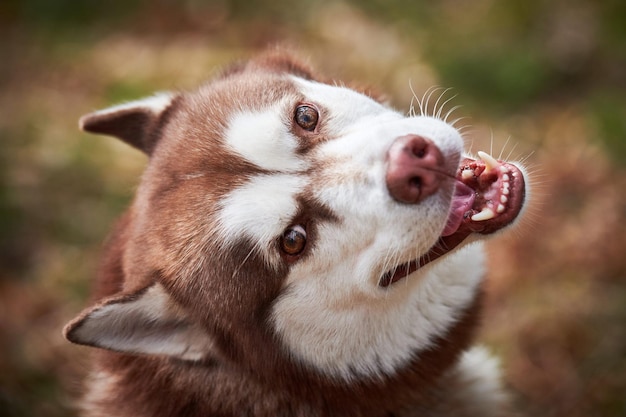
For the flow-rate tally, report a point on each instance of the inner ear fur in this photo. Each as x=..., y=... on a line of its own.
x=147, y=321
x=138, y=123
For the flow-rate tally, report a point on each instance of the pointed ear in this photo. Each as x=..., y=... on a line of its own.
x=137, y=123
x=145, y=322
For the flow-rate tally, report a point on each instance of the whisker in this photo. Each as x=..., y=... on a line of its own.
x=525, y=158
x=469, y=150
x=455, y=121
x=430, y=95
x=449, y=113
x=412, y=103
x=508, y=157
x=236, y=271
x=504, y=147
x=419, y=102
x=467, y=129
x=437, y=113
x=387, y=261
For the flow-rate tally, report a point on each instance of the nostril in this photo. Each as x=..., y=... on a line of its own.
x=418, y=147
x=413, y=169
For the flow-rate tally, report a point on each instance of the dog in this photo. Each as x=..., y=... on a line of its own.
x=294, y=248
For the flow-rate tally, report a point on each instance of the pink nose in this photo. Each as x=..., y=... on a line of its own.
x=414, y=166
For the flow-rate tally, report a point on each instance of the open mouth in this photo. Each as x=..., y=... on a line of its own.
x=489, y=195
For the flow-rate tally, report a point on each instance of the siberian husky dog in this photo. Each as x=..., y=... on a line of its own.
x=295, y=248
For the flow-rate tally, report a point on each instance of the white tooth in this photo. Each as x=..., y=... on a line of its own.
x=503, y=169
x=490, y=161
x=505, y=191
x=485, y=214
x=466, y=174
x=503, y=199
x=500, y=208
x=505, y=177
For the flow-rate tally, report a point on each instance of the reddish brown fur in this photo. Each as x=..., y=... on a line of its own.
x=166, y=387
x=249, y=374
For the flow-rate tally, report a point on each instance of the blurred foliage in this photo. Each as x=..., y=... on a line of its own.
x=607, y=110
x=548, y=73
x=62, y=17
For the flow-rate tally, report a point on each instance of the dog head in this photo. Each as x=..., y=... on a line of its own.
x=287, y=223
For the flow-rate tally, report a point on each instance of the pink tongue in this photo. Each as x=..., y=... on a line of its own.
x=461, y=202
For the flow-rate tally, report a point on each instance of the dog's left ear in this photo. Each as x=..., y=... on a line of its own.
x=137, y=123
x=147, y=321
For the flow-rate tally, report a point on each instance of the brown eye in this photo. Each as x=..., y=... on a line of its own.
x=306, y=117
x=293, y=240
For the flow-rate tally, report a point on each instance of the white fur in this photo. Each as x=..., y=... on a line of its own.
x=352, y=335
x=261, y=138
x=347, y=108
x=259, y=210
x=156, y=104
x=481, y=371
x=474, y=388
x=101, y=388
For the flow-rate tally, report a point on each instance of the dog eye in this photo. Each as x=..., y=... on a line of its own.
x=293, y=240
x=307, y=117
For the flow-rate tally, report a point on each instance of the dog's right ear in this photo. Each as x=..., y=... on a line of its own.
x=137, y=123
x=147, y=321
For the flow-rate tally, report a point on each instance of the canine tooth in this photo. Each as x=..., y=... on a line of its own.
x=503, y=199
x=466, y=174
x=500, y=208
x=485, y=214
x=490, y=162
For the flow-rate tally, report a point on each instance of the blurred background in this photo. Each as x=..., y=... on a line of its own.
x=539, y=80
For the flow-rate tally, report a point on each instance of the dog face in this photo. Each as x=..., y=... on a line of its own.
x=286, y=223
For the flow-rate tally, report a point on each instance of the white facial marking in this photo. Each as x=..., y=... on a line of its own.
x=260, y=209
x=335, y=317
x=346, y=106
x=355, y=335
x=263, y=139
